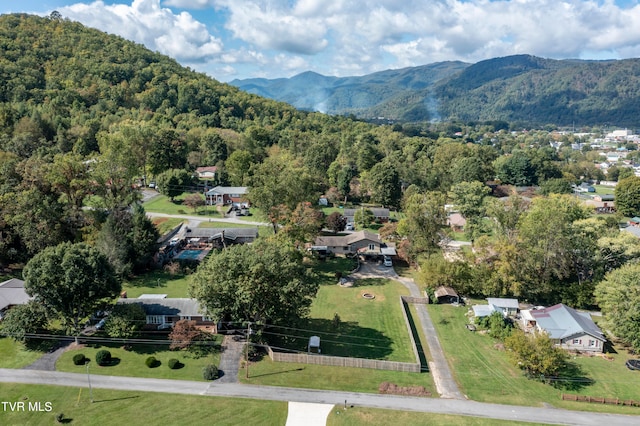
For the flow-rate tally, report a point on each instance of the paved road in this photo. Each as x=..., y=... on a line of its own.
x=442, y=377
x=392, y=402
x=204, y=219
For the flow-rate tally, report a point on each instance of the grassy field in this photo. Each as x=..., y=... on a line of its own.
x=157, y=282
x=166, y=224
x=267, y=372
x=374, y=416
x=131, y=362
x=601, y=189
x=112, y=407
x=485, y=373
x=162, y=204
x=15, y=355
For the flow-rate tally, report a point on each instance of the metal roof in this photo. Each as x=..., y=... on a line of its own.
x=12, y=293
x=240, y=190
x=177, y=307
x=503, y=303
x=561, y=321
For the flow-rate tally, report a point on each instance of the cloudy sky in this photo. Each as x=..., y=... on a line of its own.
x=230, y=39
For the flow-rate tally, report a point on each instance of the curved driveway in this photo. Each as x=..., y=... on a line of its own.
x=392, y=402
x=439, y=367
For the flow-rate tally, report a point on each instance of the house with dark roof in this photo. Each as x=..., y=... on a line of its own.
x=380, y=213
x=362, y=242
x=222, y=195
x=163, y=312
x=12, y=294
x=566, y=327
x=222, y=236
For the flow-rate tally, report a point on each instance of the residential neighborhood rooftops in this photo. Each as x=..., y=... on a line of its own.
x=177, y=306
x=561, y=321
x=503, y=303
x=345, y=240
x=12, y=293
x=239, y=190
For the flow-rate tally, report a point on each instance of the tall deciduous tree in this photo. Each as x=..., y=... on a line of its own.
x=423, y=222
x=536, y=355
x=627, y=195
x=71, y=281
x=173, y=182
x=125, y=320
x=619, y=297
x=468, y=198
x=336, y=222
x=262, y=282
x=383, y=181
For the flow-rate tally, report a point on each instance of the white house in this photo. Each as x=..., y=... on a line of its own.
x=566, y=327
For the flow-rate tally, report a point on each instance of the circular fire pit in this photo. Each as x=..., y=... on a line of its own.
x=368, y=296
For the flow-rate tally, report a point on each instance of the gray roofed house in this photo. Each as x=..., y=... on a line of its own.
x=234, y=235
x=167, y=311
x=362, y=242
x=379, y=213
x=506, y=306
x=12, y=293
x=567, y=328
x=226, y=195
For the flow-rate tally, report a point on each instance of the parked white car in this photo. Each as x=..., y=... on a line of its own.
x=387, y=261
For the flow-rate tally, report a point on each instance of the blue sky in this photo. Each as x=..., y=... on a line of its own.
x=230, y=39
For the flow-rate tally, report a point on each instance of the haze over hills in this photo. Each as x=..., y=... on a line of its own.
x=520, y=88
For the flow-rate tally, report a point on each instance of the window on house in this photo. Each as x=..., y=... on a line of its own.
x=155, y=319
x=577, y=341
x=372, y=247
x=593, y=343
x=188, y=317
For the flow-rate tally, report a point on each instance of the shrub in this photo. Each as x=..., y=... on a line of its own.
x=103, y=357
x=79, y=359
x=210, y=372
x=173, y=363
x=151, y=362
x=60, y=417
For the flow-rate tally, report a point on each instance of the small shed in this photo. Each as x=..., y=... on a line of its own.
x=314, y=345
x=508, y=307
x=445, y=294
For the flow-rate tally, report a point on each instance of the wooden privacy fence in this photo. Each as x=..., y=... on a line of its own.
x=593, y=399
x=338, y=361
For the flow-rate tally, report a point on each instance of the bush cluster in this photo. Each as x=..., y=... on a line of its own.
x=210, y=372
x=151, y=362
x=79, y=359
x=103, y=357
x=173, y=363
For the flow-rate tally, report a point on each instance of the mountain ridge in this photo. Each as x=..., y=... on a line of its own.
x=517, y=88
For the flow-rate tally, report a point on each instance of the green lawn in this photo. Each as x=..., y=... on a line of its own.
x=15, y=355
x=600, y=189
x=269, y=373
x=157, y=282
x=485, y=373
x=375, y=416
x=373, y=329
x=166, y=224
x=113, y=407
x=162, y=204
x=131, y=362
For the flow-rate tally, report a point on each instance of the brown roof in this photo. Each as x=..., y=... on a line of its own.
x=445, y=291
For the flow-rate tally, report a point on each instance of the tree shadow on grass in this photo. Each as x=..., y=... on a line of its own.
x=290, y=370
x=346, y=339
x=117, y=399
x=571, y=378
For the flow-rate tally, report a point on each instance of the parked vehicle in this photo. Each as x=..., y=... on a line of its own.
x=387, y=261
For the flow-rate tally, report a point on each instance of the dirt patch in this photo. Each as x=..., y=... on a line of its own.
x=159, y=220
x=393, y=389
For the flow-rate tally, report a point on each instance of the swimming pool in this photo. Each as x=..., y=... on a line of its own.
x=192, y=255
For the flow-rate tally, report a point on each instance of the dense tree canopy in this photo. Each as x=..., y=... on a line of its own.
x=71, y=281
x=263, y=282
x=627, y=195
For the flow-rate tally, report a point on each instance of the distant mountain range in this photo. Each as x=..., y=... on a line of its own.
x=519, y=89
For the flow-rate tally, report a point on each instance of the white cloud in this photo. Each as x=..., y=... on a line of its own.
x=189, y=4
x=346, y=37
x=179, y=36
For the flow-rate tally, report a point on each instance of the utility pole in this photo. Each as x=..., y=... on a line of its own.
x=89, y=380
x=247, y=348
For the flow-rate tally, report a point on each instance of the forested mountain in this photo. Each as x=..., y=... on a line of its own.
x=520, y=88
